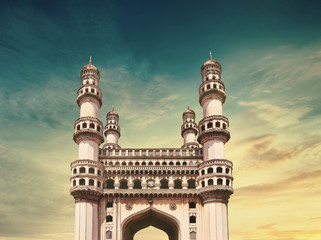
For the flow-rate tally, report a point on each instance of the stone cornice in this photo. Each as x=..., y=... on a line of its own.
x=88, y=134
x=117, y=132
x=188, y=130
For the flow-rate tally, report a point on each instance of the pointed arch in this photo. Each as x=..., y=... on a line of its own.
x=150, y=217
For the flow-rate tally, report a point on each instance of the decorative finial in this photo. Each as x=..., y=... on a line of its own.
x=188, y=108
x=210, y=55
x=90, y=60
x=112, y=109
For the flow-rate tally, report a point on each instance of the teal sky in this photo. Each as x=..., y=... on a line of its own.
x=149, y=54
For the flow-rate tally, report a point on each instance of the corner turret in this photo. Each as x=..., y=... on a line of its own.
x=189, y=129
x=112, y=130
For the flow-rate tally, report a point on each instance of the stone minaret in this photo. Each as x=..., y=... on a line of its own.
x=87, y=171
x=112, y=130
x=189, y=129
x=215, y=173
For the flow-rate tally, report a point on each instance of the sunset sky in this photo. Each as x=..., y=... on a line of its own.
x=149, y=54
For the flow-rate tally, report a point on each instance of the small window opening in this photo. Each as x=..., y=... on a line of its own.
x=192, y=205
x=82, y=182
x=164, y=184
x=219, y=181
x=91, y=182
x=109, y=218
x=192, y=219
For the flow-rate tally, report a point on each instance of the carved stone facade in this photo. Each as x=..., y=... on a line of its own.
x=182, y=191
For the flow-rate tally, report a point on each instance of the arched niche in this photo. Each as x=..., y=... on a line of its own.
x=150, y=217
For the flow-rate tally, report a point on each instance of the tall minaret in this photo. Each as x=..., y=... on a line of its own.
x=189, y=129
x=87, y=171
x=112, y=130
x=215, y=172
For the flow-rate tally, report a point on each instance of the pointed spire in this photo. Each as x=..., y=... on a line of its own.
x=210, y=55
x=112, y=109
x=188, y=108
x=90, y=60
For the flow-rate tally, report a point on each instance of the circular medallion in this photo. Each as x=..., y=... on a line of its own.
x=129, y=206
x=151, y=183
x=172, y=206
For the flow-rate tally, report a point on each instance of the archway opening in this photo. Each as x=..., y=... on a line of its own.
x=150, y=233
x=150, y=218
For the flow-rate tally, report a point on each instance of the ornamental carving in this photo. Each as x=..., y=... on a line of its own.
x=129, y=206
x=172, y=206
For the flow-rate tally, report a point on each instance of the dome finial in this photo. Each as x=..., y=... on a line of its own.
x=188, y=108
x=112, y=109
x=90, y=60
x=210, y=55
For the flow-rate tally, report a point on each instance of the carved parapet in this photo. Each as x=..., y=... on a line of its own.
x=211, y=89
x=88, y=128
x=89, y=92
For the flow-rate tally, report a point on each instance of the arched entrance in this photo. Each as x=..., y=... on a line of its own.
x=150, y=217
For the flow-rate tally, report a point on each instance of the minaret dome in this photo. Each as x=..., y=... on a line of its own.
x=211, y=69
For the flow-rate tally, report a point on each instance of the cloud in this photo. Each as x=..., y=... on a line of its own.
x=267, y=226
x=276, y=116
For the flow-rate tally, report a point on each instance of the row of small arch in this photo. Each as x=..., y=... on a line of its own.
x=88, y=125
x=143, y=163
x=84, y=170
x=210, y=125
x=123, y=183
x=111, y=127
x=90, y=90
x=190, y=125
x=211, y=170
x=191, y=205
x=164, y=184
x=168, y=172
x=213, y=78
x=89, y=82
x=219, y=181
x=209, y=86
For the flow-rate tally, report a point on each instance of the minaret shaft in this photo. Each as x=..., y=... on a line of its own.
x=89, y=109
x=212, y=107
x=88, y=136
x=214, y=181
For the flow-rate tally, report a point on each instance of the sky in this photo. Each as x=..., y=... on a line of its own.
x=149, y=54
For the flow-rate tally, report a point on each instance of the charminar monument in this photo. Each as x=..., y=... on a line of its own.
x=183, y=191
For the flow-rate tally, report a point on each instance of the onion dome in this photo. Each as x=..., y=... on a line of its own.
x=89, y=69
x=112, y=113
x=212, y=65
x=188, y=111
